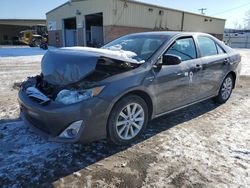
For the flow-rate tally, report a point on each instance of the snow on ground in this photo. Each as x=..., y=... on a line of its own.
x=18, y=51
x=245, y=59
x=14, y=70
x=205, y=145
x=14, y=52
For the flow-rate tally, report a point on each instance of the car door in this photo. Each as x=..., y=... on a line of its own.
x=214, y=62
x=173, y=84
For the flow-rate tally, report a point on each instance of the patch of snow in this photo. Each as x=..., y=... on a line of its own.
x=24, y=51
x=78, y=174
x=115, y=54
x=28, y=159
x=24, y=152
x=245, y=61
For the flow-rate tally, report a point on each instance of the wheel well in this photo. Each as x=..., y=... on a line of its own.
x=145, y=97
x=234, y=77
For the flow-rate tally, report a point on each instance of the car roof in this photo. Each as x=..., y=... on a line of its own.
x=169, y=33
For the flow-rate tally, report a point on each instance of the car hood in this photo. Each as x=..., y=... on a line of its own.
x=69, y=65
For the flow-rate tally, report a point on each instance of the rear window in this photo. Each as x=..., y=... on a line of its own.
x=207, y=46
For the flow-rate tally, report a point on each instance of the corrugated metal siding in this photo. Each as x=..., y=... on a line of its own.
x=237, y=40
x=137, y=15
x=85, y=7
x=129, y=14
x=203, y=24
x=20, y=22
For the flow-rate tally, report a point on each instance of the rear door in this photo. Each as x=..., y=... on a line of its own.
x=214, y=62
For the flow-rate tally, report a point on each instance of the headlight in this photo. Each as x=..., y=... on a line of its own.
x=74, y=96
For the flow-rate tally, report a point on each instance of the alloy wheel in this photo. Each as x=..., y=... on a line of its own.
x=227, y=88
x=130, y=121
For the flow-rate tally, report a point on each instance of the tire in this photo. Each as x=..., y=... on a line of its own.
x=123, y=129
x=44, y=46
x=36, y=42
x=225, y=90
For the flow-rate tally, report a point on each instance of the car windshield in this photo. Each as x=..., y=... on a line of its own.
x=144, y=46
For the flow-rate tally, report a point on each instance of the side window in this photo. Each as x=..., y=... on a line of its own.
x=207, y=46
x=184, y=48
x=220, y=50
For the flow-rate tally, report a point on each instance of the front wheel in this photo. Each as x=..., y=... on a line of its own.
x=225, y=90
x=36, y=42
x=127, y=120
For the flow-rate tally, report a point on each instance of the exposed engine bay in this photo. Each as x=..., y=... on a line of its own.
x=63, y=77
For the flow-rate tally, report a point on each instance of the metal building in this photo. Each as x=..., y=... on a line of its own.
x=94, y=22
x=10, y=29
x=237, y=40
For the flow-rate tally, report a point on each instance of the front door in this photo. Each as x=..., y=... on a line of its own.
x=177, y=85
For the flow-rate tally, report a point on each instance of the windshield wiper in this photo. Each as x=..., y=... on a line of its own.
x=183, y=53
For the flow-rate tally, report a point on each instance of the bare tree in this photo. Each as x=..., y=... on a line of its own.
x=247, y=20
x=237, y=25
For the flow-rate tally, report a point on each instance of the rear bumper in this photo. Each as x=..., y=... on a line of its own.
x=51, y=120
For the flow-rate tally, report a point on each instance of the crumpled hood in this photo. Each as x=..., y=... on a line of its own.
x=115, y=53
x=63, y=67
x=68, y=65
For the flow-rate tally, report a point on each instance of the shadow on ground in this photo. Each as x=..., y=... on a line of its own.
x=27, y=160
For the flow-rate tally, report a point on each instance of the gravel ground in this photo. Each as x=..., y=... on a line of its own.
x=204, y=145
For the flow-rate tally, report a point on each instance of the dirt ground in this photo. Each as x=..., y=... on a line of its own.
x=204, y=145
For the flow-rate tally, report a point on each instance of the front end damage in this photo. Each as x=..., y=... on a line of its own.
x=62, y=102
x=73, y=75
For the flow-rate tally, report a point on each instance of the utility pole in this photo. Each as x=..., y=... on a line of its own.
x=202, y=10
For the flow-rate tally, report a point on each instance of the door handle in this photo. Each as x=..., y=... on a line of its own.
x=226, y=61
x=198, y=67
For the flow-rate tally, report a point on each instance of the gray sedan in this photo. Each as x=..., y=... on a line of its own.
x=84, y=94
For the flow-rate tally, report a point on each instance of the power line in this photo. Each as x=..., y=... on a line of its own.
x=229, y=10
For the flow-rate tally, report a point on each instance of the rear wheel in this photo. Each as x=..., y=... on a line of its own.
x=36, y=42
x=225, y=90
x=127, y=120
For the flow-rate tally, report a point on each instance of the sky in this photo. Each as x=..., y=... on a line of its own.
x=232, y=10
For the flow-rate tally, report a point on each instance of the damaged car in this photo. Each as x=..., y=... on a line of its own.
x=85, y=94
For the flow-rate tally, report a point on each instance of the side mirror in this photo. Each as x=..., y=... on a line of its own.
x=168, y=59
